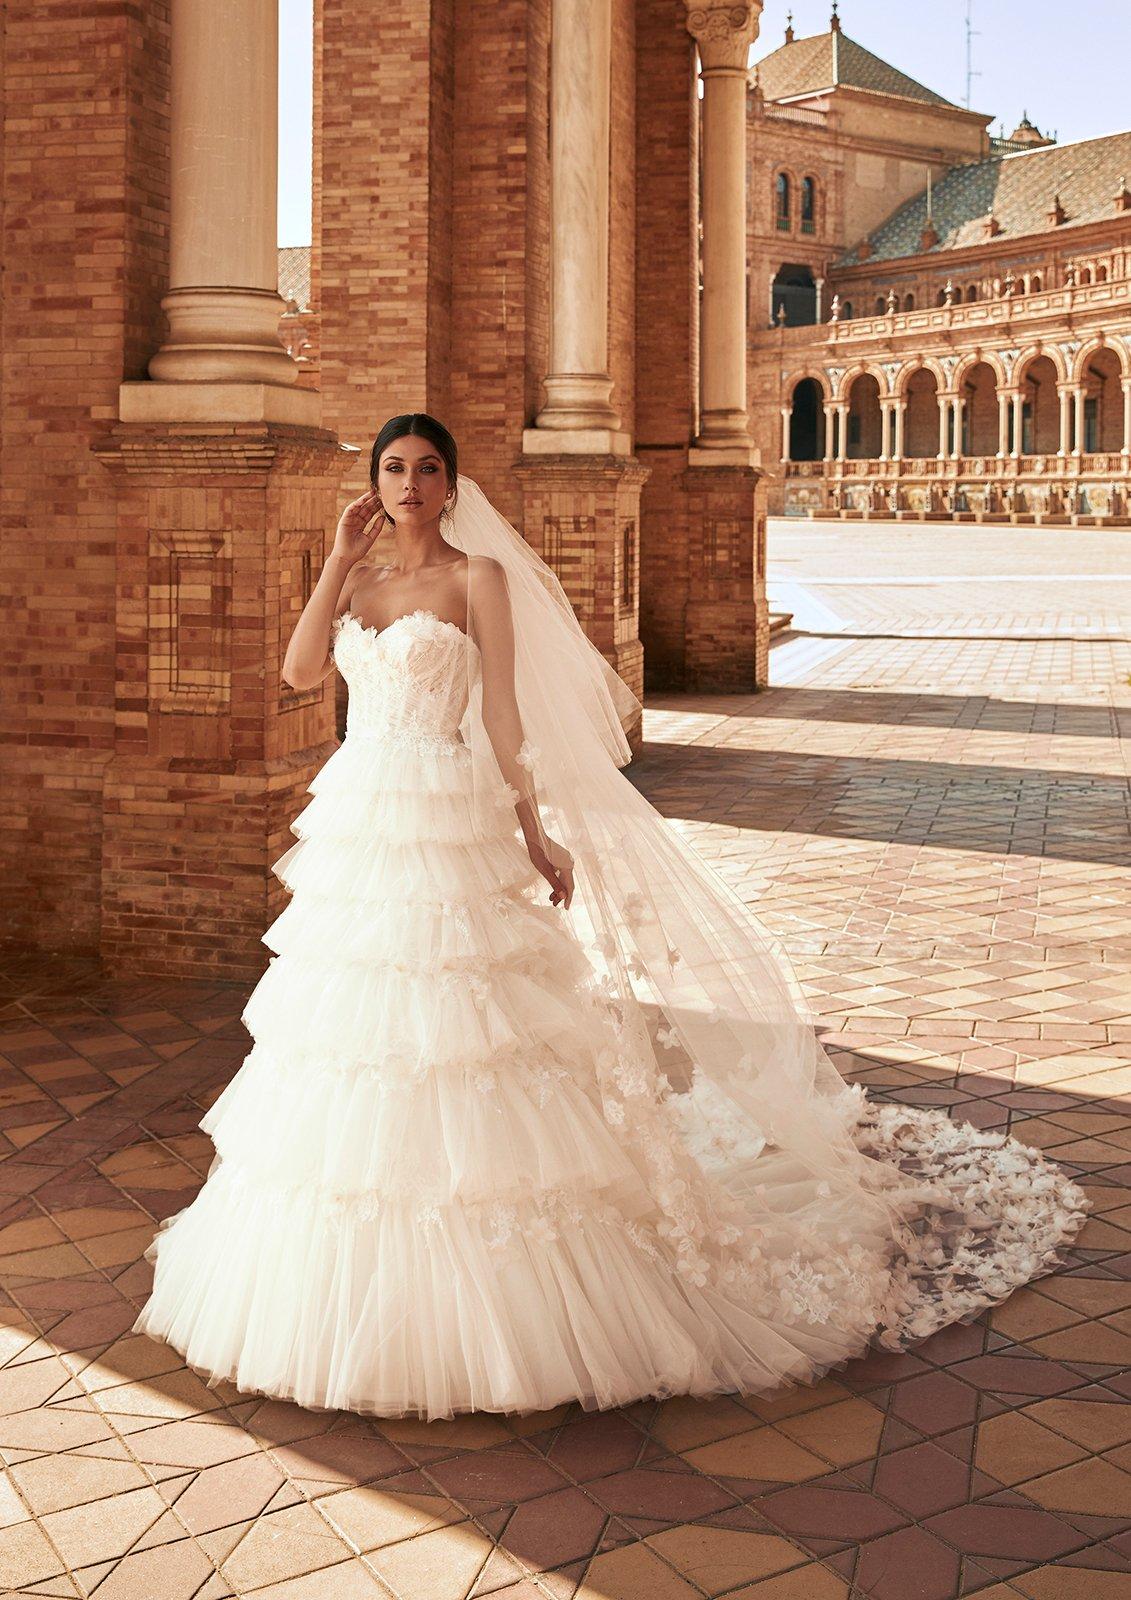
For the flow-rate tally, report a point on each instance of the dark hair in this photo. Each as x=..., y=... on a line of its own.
x=423, y=426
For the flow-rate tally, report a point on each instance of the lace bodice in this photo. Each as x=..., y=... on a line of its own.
x=409, y=677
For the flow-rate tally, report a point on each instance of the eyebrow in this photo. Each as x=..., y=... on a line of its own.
x=419, y=458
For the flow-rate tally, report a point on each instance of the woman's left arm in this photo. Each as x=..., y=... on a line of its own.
x=493, y=627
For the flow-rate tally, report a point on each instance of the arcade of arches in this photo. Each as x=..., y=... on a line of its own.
x=1043, y=434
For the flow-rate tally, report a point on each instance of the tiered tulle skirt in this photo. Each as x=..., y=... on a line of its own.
x=417, y=1204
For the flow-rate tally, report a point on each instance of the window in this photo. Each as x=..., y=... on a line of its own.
x=940, y=298
x=880, y=306
x=1035, y=283
x=846, y=310
x=972, y=292
x=808, y=205
x=1101, y=274
x=782, y=201
x=1091, y=425
x=909, y=302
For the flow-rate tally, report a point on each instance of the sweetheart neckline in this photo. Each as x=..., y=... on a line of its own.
x=421, y=611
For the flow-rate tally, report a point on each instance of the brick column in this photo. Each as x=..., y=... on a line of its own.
x=727, y=618
x=226, y=486
x=581, y=483
x=85, y=94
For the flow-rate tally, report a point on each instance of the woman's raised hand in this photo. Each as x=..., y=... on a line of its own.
x=351, y=541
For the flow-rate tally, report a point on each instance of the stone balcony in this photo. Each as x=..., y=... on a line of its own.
x=1085, y=490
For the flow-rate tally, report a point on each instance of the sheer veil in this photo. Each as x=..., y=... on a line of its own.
x=750, y=1140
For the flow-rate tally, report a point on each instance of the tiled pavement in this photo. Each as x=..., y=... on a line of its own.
x=932, y=812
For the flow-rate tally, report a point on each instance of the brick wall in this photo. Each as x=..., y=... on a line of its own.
x=84, y=250
x=666, y=347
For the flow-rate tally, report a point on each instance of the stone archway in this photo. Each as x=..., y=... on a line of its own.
x=807, y=421
x=921, y=425
x=979, y=411
x=1040, y=408
x=865, y=425
x=1103, y=402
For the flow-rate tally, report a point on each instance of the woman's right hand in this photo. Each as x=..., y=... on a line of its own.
x=351, y=542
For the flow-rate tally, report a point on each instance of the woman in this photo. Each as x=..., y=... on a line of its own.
x=496, y=1149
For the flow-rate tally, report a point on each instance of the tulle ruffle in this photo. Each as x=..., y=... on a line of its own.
x=425, y=1199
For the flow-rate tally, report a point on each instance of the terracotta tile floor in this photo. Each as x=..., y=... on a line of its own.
x=931, y=810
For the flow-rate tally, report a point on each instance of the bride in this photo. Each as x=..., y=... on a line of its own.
x=496, y=1148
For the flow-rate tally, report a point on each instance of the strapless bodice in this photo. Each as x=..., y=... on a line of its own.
x=409, y=678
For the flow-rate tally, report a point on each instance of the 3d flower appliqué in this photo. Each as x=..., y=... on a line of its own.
x=527, y=754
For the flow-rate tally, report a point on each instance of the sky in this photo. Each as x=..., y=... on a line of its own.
x=1065, y=64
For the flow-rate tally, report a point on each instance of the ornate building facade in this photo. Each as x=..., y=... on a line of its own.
x=940, y=321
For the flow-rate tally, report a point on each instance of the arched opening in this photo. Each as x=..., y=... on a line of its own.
x=782, y=203
x=921, y=424
x=864, y=421
x=1035, y=283
x=1101, y=274
x=808, y=205
x=846, y=311
x=794, y=288
x=972, y=292
x=1103, y=403
x=909, y=302
x=979, y=413
x=807, y=421
x=940, y=298
x=1085, y=275
x=880, y=306
x=1040, y=409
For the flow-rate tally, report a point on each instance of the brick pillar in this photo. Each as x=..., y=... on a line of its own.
x=226, y=486
x=221, y=534
x=666, y=332
x=728, y=624
x=581, y=483
x=84, y=99
x=582, y=518
x=382, y=260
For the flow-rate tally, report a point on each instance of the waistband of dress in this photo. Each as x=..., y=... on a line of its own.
x=417, y=737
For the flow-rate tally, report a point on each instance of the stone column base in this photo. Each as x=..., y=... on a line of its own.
x=727, y=625
x=221, y=532
x=582, y=516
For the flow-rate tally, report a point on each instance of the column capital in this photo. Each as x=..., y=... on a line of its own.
x=724, y=30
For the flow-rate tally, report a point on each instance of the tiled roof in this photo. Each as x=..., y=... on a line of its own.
x=1016, y=190
x=805, y=66
x=294, y=274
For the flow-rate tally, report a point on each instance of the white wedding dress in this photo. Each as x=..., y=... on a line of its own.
x=418, y=1204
